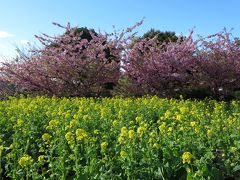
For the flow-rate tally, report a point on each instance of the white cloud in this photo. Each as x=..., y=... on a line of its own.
x=4, y=34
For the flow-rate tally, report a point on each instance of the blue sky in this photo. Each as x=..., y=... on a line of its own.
x=21, y=20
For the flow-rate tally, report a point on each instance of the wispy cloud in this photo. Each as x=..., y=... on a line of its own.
x=6, y=52
x=25, y=42
x=2, y=46
x=4, y=34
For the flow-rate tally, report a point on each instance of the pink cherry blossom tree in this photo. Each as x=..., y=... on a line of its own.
x=69, y=65
x=164, y=70
x=219, y=64
x=175, y=68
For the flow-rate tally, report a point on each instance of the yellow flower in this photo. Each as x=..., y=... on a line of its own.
x=105, y=159
x=69, y=136
x=197, y=130
x=167, y=114
x=163, y=128
x=20, y=122
x=46, y=137
x=138, y=119
x=183, y=109
x=179, y=117
x=41, y=150
x=123, y=154
x=73, y=123
x=75, y=116
x=170, y=129
x=131, y=123
x=121, y=139
x=53, y=124
x=187, y=157
x=67, y=115
x=141, y=130
x=124, y=131
x=25, y=160
x=156, y=145
x=115, y=123
x=80, y=134
x=209, y=132
x=120, y=114
x=145, y=125
x=193, y=123
x=131, y=134
x=104, y=146
x=41, y=158
x=105, y=113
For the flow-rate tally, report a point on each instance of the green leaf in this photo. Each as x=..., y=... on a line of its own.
x=205, y=170
x=189, y=176
x=236, y=168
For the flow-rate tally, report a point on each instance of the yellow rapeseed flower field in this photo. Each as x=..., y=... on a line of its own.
x=119, y=138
